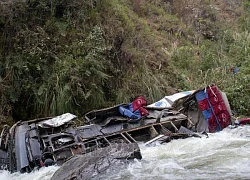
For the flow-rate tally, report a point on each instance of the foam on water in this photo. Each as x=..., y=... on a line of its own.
x=224, y=155
x=44, y=173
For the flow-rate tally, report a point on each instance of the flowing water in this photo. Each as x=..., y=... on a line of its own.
x=224, y=155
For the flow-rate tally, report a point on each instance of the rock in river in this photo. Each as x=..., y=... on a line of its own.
x=86, y=166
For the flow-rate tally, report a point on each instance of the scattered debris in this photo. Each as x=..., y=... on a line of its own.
x=47, y=141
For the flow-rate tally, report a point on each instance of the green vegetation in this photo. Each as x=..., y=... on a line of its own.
x=75, y=56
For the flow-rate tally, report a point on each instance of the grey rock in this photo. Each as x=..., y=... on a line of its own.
x=87, y=166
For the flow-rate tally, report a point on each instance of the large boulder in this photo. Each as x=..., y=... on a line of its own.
x=86, y=166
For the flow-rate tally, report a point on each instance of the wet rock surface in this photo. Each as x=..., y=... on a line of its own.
x=87, y=166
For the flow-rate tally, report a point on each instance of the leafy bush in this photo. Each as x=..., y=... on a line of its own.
x=61, y=56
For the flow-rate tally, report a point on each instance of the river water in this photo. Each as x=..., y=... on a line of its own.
x=224, y=155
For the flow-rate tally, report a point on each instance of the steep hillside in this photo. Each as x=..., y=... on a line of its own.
x=74, y=56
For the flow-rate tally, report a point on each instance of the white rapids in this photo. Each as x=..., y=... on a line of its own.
x=224, y=155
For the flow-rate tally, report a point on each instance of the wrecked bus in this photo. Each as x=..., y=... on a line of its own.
x=47, y=141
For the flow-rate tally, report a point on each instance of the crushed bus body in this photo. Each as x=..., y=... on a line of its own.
x=54, y=140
